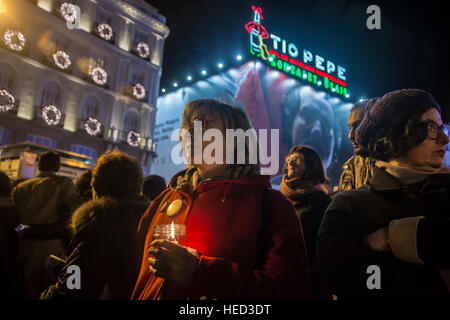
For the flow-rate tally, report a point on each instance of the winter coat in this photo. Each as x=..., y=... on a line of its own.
x=106, y=248
x=223, y=221
x=310, y=208
x=357, y=172
x=43, y=201
x=344, y=258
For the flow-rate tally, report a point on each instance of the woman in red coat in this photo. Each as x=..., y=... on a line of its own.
x=243, y=240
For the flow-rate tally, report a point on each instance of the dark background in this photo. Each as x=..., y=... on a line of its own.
x=410, y=51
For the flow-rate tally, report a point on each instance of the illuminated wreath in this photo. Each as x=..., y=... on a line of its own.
x=51, y=114
x=99, y=75
x=143, y=50
x=62, y=59
x=133, y=138
x=105, y=31
x=14, y=39
x=6, y=101
x=138, y=91
x=92, y=126
x=67, y=12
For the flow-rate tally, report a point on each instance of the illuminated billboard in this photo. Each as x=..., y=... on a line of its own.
x=272, y=100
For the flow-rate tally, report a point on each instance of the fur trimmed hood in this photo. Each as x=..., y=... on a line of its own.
x=106, y=211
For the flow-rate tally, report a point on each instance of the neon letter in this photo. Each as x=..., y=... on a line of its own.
x=293, y=51
x=330, y=67
x=307, y=56
x=319, y=61
x=341, y=73
x=275, y=41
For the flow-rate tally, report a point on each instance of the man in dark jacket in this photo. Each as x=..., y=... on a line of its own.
x=404, y=132
x=44, y=204
x=105, y=246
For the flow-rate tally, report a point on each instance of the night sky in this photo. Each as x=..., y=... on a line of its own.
x=410, y=51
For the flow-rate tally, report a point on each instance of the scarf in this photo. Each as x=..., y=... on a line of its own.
x=408, y=176
x=295, y=187
x=187, y=180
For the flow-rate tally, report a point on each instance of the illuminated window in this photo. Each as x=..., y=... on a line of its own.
x=43, y=141
x=83, y=150
x=4, y=136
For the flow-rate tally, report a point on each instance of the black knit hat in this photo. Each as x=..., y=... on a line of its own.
x=392, y=126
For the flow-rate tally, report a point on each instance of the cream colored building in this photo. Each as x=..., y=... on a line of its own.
x=32, y=72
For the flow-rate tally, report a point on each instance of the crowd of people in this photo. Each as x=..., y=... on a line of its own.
x=244, y=240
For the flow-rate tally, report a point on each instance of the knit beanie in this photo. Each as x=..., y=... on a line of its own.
x=392, y=125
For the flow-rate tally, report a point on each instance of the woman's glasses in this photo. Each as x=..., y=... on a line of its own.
x=435, y=131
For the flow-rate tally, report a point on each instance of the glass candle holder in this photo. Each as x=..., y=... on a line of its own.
x=171, y=232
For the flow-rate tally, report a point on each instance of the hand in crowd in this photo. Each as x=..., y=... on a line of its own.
x=378, y=240
x=173, y=262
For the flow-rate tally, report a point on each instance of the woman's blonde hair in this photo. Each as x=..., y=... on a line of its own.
x=226, y=116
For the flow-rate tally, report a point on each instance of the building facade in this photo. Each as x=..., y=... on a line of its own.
x=81, y=75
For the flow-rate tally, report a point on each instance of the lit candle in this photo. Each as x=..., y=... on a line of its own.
x=172, y=232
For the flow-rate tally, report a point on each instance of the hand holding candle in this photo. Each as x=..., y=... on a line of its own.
x=172, y=262
x=168, y=259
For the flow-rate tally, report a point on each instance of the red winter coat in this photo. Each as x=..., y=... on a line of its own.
x=222, y=222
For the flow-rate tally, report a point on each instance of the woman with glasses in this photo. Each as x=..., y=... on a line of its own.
x=243, y=240
x=391, y=238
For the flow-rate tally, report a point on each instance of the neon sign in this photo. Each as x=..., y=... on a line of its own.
x=286, y=57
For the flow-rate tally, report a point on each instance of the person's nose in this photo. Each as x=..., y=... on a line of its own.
x=444, y=139
x=351, y=134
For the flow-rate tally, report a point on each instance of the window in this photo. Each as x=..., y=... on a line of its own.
x=6, y=77
x=138, y=78
x=102, y=16
x=50, y=94
x=83, y=150
x=140, y=36
x=97, y=60
x=91, y=107
x=43, y=141
x=59, y=42
x=4, y=136
x=130, y=121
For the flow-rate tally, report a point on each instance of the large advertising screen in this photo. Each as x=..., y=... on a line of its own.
x=303, y=114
